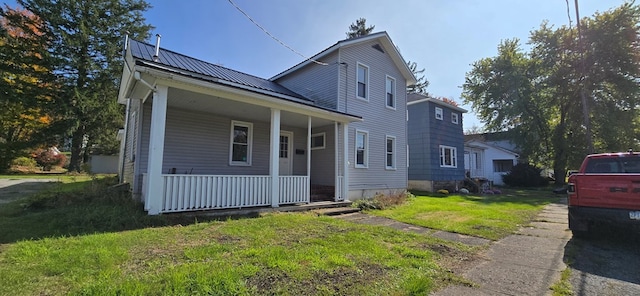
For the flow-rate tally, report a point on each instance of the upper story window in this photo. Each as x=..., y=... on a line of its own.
x=390, y=156
x=454, y=118
x=362, y=147
x=391, y=92
x=318, y=141
x=448, y=157
x=439, y=115
x=241, y=142
x=362, y=90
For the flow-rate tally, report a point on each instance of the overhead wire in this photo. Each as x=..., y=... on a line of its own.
x=274, y=37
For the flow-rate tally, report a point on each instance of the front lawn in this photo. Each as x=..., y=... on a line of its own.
x=488, y=216
x=89, y=251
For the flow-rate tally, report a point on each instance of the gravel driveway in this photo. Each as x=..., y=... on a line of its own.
x=12, y=189
x=607, y=264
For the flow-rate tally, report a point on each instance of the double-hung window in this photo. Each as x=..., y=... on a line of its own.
x=448, y=157
x=439, y=115
x=241, y=142
x=362, y=90
x=362, y=147
x=391, y=92
x=390, y=153
x=454, y=118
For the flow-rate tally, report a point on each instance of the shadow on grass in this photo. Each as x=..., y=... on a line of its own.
x=508, y=195
x=80, y=208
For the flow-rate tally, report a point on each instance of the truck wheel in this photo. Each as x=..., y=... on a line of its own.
x=579, y=228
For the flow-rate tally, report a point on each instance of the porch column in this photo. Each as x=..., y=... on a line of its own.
x=336, y=162
x=274, y=162
x=345, y=163
x=309, y=158
x=155, y=188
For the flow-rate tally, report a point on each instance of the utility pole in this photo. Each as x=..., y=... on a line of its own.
x=583, y=96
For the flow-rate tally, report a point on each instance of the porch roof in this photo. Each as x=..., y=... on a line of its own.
x=177, y=61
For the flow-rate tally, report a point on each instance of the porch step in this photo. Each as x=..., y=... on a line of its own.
x=248, y=212
x=336, y=211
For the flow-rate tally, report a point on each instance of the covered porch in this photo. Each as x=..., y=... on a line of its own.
x=209, y=147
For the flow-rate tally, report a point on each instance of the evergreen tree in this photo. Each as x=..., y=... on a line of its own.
x=87, y=43
x=359, y=28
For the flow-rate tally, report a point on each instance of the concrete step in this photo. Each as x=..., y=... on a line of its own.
x=336, y=211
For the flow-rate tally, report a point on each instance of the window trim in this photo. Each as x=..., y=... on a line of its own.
x=454, y=156
x=366, y=87
x=440, y=112
x=454, y=118
x=366, y=150
x=393, y=92
x=249, y=127
x=324, y=141
x=393, y=153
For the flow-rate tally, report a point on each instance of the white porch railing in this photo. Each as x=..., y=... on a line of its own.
x=208, y=192
x=204, y=192
x=294, y=189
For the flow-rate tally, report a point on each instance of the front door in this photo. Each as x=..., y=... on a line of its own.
x=286, y=161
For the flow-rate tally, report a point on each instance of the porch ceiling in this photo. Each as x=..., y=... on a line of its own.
x=193, y=101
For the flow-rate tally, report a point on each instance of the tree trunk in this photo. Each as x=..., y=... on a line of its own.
x=75, y=163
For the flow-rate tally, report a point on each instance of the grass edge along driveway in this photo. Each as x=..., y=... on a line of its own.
x=488, y=216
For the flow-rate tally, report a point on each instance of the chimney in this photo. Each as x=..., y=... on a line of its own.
x=156, y=55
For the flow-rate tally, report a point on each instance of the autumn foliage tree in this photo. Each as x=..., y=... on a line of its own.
x=27, y=86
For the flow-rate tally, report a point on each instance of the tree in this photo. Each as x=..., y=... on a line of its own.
x=359, y=28
x=537, y=94
x=27, y=85
x=87, y=44
x=420, y=87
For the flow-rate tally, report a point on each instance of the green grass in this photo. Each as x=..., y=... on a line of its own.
x=90, y=240
x=488, y=216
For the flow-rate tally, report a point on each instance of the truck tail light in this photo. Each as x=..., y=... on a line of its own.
x=571, y=188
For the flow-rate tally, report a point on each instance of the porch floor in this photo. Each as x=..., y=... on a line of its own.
x=255, y=211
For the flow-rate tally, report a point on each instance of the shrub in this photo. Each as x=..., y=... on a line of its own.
x=524, y=175
x=24, y=161
x=48, y=159
x=383, y=201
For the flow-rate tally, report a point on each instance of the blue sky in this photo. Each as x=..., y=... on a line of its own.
x=443, y=36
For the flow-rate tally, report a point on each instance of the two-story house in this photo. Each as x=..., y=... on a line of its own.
x=436, y=144
x=200, y=136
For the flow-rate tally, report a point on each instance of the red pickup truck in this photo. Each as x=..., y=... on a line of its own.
x=606, y=190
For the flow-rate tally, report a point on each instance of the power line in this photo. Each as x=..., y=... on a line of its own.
x=274, y=37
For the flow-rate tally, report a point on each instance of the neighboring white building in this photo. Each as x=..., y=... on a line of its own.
x=486, y=161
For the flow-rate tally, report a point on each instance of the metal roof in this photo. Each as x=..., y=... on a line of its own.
x=211, y=72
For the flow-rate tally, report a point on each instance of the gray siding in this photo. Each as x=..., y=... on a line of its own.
x=131, y=142
x=316, y=82
x=378, y=120
x=323, y=160
x=198, y=143
x=426, y=134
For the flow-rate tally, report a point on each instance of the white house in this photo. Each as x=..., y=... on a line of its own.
x=487, y=161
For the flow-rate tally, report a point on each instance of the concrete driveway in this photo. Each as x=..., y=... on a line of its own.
x=12, y=189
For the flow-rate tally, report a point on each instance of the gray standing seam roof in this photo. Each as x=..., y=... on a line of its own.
x=144, y=51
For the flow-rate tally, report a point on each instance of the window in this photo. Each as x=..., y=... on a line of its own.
x=439, y=113
x=133, y=126
x=241, y=138
x=390, y=157
x=362, y=144
x=502, y=165
x=448, y=157
x=317, y=141
x=391, y=92
x=454, y=118
x=363, y=82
